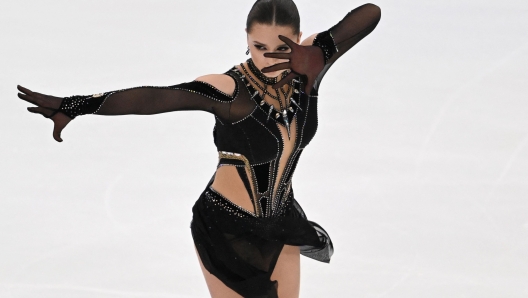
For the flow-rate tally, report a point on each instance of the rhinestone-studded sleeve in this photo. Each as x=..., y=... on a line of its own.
x=147, y=100
x=77, y=105
x=341, y=37
x=326, y=42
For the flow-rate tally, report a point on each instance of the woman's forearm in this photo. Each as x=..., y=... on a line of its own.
x=341, y=37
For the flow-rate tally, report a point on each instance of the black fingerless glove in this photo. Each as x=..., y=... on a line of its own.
x=326, y=42
x=77, y=105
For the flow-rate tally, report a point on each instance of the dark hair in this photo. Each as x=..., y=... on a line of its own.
x=274, y=12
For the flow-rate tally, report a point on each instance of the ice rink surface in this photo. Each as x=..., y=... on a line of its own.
x=419, y=169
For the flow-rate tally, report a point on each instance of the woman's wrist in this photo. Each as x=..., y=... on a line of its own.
x=325, y=41
x=77, y=105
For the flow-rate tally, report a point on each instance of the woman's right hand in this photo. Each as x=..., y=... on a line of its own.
x=303, y=61
x=47, y=106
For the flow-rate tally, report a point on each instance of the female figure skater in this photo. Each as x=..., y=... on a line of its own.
x=247, y=227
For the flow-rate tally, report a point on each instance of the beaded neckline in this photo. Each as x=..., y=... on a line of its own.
x=284, y=116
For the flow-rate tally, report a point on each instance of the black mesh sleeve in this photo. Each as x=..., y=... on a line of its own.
x=147, y=100
x=341, y=37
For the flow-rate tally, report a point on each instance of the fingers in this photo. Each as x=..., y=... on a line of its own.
x=48, y=113
x=38, y=99
x=27, y=95
x=25, y=90
x=32, y=109
x=26, y=98
x=286, y=79
x=57, y=129
x=278, y=66
x=37, y=110
x=60, y=121
x=58, y=124
x=278, y=55
x=288, y=41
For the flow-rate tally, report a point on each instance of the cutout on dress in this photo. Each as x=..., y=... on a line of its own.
x=243, y=175
x=264, y=205
x=262, y=173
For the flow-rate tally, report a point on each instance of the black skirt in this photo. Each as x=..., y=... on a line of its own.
x=241, y=249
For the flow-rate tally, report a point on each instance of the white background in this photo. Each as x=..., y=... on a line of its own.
x=418, y=170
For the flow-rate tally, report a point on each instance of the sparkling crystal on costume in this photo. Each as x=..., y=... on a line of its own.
x=295, y=103
x=286, y=123
x=269, y=113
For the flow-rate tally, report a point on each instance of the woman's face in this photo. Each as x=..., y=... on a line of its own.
x=265, y=39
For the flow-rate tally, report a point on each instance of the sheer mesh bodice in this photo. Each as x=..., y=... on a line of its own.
x=264, y=144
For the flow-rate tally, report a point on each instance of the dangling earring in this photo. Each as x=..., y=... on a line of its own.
x=247, y=52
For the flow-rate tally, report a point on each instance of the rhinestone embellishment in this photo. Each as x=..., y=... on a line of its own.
x=286, y=122
x=269, y=113
x=295, y=103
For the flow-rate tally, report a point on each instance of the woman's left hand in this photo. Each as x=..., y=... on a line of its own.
x=303, y=61
x=48, y=106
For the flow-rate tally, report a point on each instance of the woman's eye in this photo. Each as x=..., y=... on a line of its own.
x=261, y=48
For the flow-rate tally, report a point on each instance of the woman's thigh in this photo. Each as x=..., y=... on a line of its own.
x=287, y=273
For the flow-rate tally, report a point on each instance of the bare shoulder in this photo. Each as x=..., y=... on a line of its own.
x=222, y=82
x=309, y=40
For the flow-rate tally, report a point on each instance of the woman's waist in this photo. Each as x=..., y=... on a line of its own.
x=228, y=183
x=216, y=201
x=242, y=186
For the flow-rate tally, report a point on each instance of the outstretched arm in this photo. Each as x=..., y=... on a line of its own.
x=313, y=61
x=147, y=100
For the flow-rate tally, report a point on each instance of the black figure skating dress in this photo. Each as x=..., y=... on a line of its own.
x=239, y=246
